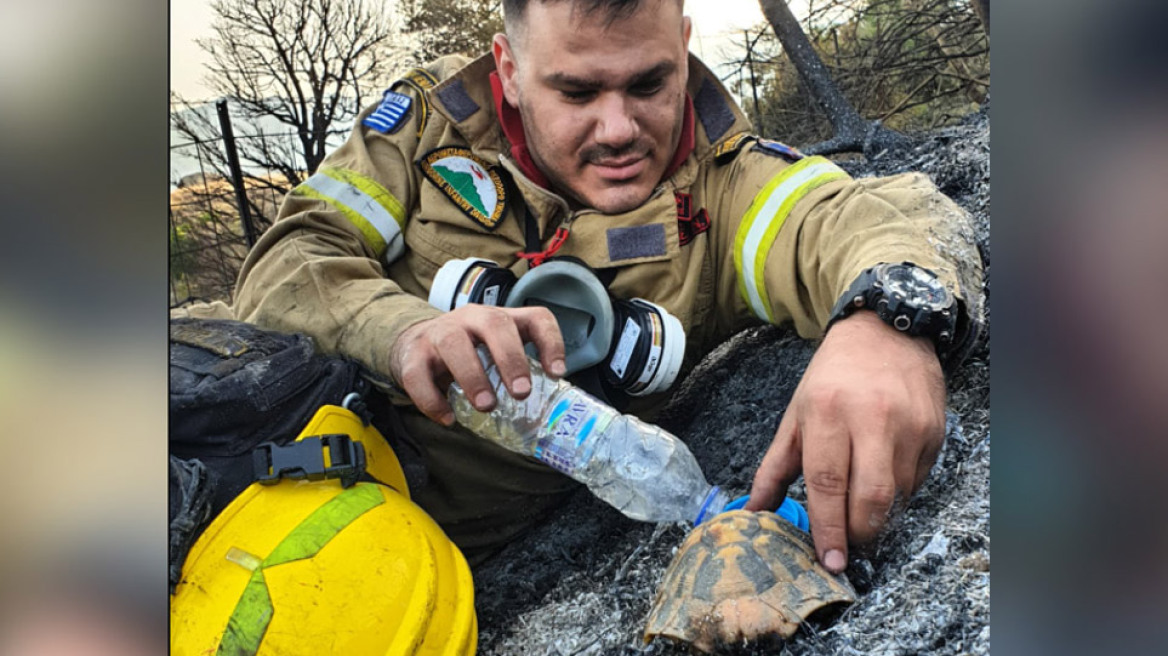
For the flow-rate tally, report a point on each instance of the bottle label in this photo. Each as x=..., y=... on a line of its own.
x=570, y=423
x=624, y=348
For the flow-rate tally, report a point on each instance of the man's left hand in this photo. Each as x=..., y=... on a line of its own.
x=864, y=426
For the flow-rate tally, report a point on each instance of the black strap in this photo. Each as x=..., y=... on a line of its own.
x=531, y=238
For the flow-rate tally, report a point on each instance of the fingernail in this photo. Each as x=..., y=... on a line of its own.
x=484, y=400
x=521, y=385
x=558, y=368
x=834, y=560
x=447, y=419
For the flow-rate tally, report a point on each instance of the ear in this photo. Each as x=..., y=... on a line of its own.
x=507, y=67
x=686, y=28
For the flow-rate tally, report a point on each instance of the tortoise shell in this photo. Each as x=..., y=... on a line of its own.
x=741, y=576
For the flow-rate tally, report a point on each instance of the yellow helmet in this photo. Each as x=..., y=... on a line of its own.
x=311, y=567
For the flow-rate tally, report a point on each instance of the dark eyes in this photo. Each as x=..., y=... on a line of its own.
x=577, y=96
x=640, y=90
x=646, y=89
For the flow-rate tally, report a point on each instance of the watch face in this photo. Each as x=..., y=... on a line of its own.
x=917, y=287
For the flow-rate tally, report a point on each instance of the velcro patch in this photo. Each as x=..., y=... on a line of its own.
x=775, y=148
x=637, y=241
x=387, y=118
x=726, y=150
x=713, y=111
x=469, y=181
x=689, y=224
x=457, y=101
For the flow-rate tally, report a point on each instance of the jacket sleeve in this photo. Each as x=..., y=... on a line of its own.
x=321, y=269
x=793, y=236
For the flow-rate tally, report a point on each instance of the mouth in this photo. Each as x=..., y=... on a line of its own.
x=620, y=169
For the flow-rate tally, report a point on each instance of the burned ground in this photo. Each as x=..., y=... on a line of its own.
x=583, y=582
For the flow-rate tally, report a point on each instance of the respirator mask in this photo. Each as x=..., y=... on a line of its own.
x=636, y=346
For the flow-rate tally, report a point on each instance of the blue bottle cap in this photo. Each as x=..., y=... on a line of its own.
x=790, y=510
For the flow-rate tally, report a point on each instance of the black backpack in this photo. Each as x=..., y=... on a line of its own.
x=234, y=386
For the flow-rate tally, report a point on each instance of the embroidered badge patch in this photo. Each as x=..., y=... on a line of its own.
x=422, y=81
x=775, y=148
x=689, y=225
x=467, y=180
x=388, y=116
x=725, y=150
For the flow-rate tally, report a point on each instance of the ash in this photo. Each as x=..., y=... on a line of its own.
x=583, y=582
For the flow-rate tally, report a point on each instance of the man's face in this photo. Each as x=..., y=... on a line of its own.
x=602, y=105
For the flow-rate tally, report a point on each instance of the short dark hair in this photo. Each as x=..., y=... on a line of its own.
x=613, y=10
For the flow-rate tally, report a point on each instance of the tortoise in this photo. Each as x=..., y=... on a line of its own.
x=742, y=576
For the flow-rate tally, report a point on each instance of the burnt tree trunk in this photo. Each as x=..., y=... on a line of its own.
x=850, y=131
x=982, y=9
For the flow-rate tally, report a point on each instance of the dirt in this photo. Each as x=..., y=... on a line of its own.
x=583, y=582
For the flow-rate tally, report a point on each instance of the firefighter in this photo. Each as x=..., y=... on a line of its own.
x=589, y=132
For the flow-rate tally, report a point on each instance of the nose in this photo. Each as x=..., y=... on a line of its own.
x=616, y=125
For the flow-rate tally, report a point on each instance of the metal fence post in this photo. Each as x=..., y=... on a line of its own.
x=249, y=231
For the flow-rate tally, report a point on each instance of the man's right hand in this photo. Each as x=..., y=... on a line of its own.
x=430, y=354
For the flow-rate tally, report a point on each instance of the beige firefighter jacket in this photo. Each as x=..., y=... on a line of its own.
x=737, y=236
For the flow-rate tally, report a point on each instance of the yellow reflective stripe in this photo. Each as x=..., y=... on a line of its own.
x=760, y=227
x=370, y=207
x=253, y=613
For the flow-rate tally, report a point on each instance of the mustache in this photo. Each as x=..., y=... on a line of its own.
x=602, y=152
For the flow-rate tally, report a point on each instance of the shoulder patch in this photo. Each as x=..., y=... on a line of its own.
x=387, y=118
x=713, y=112
x=469, y=181
x=457, y=101
x=726, y=150
x=421, y=78
x=421, y=81
x=773, y=148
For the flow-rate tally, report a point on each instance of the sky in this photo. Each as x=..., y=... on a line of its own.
x=715, y=21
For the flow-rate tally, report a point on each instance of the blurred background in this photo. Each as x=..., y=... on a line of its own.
x=1081, y=384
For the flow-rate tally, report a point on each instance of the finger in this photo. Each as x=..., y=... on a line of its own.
x=924, y=465
x=873, y=485
x=501, y=335
x=538, y=326
x=458, y=355
x=826, y=455
x=417, y=379
x=779, y=468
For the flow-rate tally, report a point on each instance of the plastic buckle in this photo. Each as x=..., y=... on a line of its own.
x=304, y=459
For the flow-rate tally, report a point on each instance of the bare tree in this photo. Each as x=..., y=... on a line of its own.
x=447, y=27
x=294, y=73
x=851, y=131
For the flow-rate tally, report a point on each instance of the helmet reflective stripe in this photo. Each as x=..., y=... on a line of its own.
x=253, y=613
x=759, y=228
x=370, y=207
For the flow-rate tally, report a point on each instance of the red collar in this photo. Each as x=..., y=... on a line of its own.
x=512, y=124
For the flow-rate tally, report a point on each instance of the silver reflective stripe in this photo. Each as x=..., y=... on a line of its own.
x=347, y=196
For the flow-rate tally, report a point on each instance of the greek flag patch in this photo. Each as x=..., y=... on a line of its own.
x=388, y=116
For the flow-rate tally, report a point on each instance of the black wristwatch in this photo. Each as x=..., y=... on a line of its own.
x=907, y=297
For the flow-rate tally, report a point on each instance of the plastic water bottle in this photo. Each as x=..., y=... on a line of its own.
x=639, y=469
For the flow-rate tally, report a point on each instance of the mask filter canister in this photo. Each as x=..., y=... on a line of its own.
x=471, y=280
